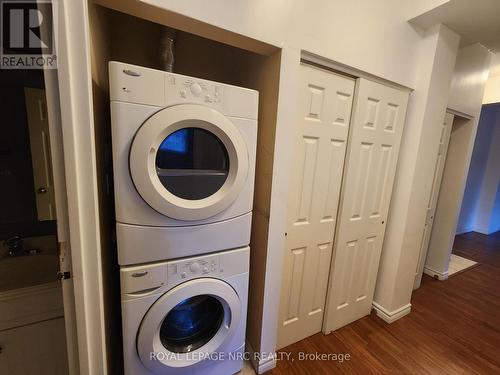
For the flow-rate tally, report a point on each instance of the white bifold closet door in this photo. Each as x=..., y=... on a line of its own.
x=376, y=129
x=324, y=116
x=444, y=141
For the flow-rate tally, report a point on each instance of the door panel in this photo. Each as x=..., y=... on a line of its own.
x=38, y=348
x=38, y=123
x=377, y=125
x=433, y=197
x=325, y=112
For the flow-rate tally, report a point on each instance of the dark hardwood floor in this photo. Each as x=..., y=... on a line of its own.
x=454, y=327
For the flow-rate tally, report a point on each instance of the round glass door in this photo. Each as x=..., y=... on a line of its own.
x=191, y=324
x=192, y=163
x=200, y=315
x=188, y=162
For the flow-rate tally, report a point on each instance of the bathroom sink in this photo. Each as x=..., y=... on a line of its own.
x=28, y=270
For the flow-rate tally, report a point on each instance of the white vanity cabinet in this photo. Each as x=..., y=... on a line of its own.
x=34, y=349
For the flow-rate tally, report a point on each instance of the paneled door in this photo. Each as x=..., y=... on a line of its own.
x=433, y=197
x=324, y=116
x=376, y=129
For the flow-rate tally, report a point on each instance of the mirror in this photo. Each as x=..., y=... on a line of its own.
x=26, y=184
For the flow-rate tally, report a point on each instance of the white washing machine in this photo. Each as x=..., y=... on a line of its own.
x=186, y=316
x=183, y=163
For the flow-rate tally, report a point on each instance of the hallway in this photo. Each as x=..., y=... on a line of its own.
x=454, y=326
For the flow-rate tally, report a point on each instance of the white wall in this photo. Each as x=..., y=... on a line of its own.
x=488, y=196
x=422, y=6
x=414, y=177
x=349, y=32
x=475, y=176
x=492, y=89
x=495, y=215
x=479, y=210
x=471, y=73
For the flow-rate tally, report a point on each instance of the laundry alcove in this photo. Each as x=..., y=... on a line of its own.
x=129, y=33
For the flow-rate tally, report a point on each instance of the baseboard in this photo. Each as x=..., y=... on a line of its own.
x=436, y=274
x=485, y=231
x=391, y=316
x=260, y=365
x=463, y=231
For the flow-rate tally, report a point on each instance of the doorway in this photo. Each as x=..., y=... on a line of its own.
x=449, y=200
x=439, y=165
x=480, y=210
x=35, y=300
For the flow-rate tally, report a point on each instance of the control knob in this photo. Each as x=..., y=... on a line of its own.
x=194, y=267
x=196, y=89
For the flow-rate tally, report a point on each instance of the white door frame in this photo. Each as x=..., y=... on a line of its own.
x=75, y=88
x=56, y=148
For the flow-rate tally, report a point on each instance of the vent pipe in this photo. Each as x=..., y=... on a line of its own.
x=167, y=41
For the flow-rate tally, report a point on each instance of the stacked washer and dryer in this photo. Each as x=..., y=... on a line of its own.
x=184, y=165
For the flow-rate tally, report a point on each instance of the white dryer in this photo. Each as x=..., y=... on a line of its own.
x=185, y=316
x=183, y=162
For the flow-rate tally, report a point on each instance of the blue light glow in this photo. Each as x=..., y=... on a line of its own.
x=176, y=142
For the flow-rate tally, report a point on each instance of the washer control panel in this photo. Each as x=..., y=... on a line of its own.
x=190, y=89
x=195, y=267
x=157, y=278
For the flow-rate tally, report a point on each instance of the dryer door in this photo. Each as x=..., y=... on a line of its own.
x=187, y=324
x=188, y=162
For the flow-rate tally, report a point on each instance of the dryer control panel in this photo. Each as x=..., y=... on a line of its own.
x=140, y=85
x=191, y=89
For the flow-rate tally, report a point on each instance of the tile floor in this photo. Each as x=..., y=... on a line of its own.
x=458, y=263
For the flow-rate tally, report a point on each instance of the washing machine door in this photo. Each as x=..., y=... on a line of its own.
x=187, y=324
x=188, y=162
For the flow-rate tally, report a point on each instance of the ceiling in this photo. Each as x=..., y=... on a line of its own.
x=477, y=21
